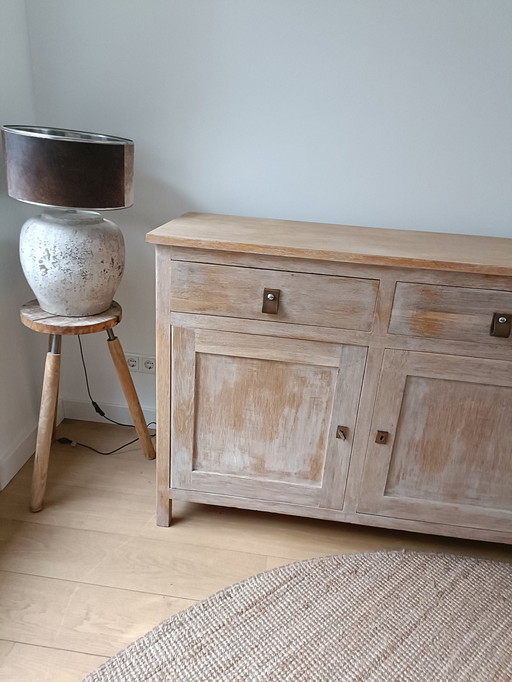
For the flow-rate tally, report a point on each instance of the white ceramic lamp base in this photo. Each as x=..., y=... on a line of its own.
x=73, y=261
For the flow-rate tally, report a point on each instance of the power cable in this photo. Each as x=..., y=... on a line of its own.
x=97, y=408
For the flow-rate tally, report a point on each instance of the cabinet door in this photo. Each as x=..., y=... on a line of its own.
x=256, y=416
x=448, y=455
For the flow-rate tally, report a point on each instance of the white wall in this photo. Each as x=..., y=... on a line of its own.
x=22, y=351
x=390, y=113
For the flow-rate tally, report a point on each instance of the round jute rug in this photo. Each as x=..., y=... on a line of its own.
x=379, y=617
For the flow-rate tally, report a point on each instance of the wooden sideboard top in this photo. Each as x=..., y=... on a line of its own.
x=341, y=243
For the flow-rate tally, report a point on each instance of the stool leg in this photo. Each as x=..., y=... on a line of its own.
x=50, y=344
x=46, y=423
x=130, y=394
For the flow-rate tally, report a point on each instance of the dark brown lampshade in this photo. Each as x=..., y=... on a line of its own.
x=68, y=168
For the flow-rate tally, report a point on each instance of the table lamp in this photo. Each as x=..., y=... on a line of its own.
x=72, y=257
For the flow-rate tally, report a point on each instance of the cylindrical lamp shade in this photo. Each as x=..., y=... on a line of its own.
x=68, y=168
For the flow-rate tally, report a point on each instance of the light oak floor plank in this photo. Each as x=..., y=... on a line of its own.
x=92, y=571
x=134, y=563
x=5, y=649
x=78, y=617
x=41, y=664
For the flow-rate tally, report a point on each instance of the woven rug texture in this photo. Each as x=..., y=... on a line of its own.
x=372, y=617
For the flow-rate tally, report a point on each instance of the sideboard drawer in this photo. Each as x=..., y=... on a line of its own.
x=446, y=312
x=309, y=299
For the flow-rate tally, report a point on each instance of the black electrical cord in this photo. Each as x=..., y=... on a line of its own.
x=93, y=402
x=74, y=443
x=68, y=441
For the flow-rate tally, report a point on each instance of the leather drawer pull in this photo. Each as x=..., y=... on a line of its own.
x=271, y=301
x=342, y=432
x=382, y=437
x=501, y=325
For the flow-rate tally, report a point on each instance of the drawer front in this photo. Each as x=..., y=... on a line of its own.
x=444, y=312
x=309, y=299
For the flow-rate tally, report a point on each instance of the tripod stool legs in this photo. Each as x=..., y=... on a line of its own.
x=48, y=410
x=46, y=423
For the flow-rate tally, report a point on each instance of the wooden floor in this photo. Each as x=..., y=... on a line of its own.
x=92, y=571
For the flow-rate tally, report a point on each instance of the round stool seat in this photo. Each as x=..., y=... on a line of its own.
x=34, y=317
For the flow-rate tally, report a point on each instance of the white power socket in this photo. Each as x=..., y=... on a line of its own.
x=147, y=364
x=140, y=363
x=133, y=362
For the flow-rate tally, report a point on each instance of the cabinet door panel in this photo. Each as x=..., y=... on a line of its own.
x=448, y=458
x=248, y=400
x=257, y=416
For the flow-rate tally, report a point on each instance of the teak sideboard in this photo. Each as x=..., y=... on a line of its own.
x=348, y=373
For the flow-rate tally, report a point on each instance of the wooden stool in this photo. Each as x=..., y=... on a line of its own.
x=56, y=326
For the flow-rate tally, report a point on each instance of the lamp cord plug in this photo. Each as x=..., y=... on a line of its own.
x=67, y=441
x=97, y=408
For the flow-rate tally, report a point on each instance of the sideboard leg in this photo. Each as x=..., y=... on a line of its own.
x=163, y=509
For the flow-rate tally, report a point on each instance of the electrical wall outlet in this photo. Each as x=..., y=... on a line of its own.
x=140, y=363
x=147, y=364
x=133, y=362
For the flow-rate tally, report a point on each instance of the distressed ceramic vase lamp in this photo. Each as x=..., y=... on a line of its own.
x=72, y=257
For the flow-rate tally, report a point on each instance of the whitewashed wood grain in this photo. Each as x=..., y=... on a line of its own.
x=318, y=300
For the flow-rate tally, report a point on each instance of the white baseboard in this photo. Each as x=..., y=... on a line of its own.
x=75, y=409
x=12, y=462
